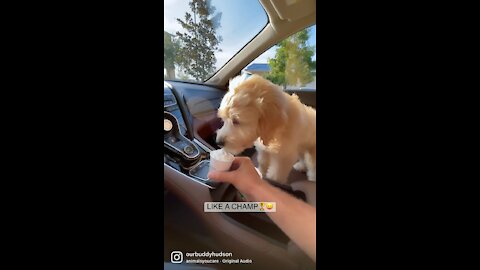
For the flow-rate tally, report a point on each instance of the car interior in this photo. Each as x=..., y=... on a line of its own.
x=190, y=123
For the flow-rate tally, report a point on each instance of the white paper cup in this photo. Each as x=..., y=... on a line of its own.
x=220, y=160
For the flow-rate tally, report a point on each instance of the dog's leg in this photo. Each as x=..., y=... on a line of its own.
x=280, y=167
x=300, y=165
x=263, y=159
x=310, y=162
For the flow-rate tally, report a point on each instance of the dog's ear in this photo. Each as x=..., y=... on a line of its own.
x=230, y=85
x=234, y=83
x=273, y=115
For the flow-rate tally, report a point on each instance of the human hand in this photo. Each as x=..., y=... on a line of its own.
x=242, y=175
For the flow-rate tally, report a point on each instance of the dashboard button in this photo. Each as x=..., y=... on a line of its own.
x=167, y=125
x=188, y=149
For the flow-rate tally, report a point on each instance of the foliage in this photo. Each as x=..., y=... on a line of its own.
x=169, y=55
x=293, y=62
x=195, y=47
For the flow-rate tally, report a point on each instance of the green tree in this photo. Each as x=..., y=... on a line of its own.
x=293, y=62
x=196, y=46
x=169, y=55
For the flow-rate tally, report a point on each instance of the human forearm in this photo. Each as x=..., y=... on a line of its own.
x=296, y=218
x=291, y=213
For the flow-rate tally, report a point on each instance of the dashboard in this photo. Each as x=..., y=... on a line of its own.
x=183, y=153
x=171, y=105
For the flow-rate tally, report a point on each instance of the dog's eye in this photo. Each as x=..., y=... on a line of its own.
x=235, y=122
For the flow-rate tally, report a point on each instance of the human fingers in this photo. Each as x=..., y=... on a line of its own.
x=239, y=162
x=221, y=176
x=238, y=166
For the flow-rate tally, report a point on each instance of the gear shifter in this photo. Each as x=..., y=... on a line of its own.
x=178, y=144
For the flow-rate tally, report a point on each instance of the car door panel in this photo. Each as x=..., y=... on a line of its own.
x=306, y=96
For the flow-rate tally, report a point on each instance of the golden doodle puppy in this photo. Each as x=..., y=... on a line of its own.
x=258, y=113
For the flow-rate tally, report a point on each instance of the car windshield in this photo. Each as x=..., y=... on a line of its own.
x=200, y=36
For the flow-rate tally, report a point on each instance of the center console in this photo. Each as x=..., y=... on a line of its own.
x=187, y=156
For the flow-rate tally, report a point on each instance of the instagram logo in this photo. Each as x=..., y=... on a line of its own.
x=176, y=257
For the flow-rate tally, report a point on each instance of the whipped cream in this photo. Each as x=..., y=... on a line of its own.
x=221, y=155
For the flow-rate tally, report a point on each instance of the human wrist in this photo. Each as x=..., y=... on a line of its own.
x=259, y=191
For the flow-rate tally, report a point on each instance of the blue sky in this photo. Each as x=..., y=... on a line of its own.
x=241, y=21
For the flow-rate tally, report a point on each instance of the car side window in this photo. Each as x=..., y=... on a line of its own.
x=291, y=63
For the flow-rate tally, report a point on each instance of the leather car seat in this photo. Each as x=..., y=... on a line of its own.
x=309, y=189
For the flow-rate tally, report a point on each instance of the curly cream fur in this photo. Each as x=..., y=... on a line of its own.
x=282, y=129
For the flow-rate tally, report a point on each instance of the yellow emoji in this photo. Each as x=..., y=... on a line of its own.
x=269, y=206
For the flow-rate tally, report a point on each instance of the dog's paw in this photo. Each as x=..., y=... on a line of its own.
x=311, y=176
x=299, y=166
